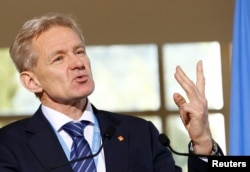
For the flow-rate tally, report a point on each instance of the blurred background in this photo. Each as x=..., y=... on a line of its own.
x=134, y=47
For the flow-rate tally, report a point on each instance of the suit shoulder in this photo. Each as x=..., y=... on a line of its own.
x=128, y=120
x=124, y=117
x=15, y=127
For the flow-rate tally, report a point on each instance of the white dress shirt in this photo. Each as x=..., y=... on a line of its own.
x=58, y=119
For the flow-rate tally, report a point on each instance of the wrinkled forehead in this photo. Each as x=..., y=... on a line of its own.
x=57, y=39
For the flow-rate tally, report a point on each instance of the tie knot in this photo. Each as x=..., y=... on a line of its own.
x=75, y=129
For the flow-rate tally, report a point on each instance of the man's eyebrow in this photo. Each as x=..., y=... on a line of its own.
x=81, y=45
x=54, y=53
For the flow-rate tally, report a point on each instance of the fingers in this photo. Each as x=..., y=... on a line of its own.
x=200, y=83
x=187, y=84
x=182, y=78
x=192, y=90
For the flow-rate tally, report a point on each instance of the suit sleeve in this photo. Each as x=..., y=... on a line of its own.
x=196, y=164
x=163, y=158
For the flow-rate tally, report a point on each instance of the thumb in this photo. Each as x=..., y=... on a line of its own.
x=180, y=101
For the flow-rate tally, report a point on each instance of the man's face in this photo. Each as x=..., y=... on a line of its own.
x=63, y=68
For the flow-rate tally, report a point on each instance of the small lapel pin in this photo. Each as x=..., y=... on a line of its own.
x=120, y=138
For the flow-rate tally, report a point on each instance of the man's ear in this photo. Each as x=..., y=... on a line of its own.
x=30, y=82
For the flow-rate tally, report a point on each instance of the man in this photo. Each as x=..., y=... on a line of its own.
x=49, y=52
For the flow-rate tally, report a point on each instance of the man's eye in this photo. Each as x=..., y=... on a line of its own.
x=59, y=58
x=80, y=52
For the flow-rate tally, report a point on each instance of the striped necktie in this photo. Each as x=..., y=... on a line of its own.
x=80, y=147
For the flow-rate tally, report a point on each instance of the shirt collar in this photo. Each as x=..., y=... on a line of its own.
x=58, y=119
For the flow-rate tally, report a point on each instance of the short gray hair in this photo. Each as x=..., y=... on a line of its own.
x=21, y=52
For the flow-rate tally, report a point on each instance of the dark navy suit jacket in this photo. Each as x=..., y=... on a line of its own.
x=31, y=145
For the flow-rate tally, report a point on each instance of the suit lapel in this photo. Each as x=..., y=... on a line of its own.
x=44, y=144
x=116, y=149
x=116, y=152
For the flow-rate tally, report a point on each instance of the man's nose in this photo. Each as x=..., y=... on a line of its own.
x=76, y=62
